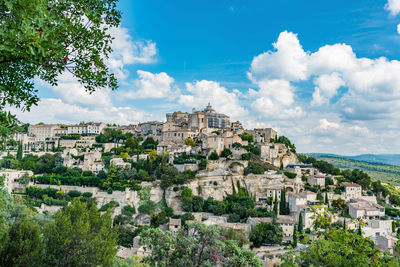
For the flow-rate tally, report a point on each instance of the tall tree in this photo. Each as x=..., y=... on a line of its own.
x=276, y=205
x=80, y=236
x=283, y=208
x=22, y=246
x=300, y=226
x=19, y=151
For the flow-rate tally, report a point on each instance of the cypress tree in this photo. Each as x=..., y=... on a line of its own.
x=282, y=206
x=300, y=226
x=295, y=237
x=19, y=151
x=359, y=232
x=326, y=199
x=276, y=205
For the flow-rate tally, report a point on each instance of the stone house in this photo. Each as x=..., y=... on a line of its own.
x=120, y=163
x=316, y=180
x=178, y=135
x=42, y=131
x=351, y=191
x=11, y=176
x=359, y=208
x=287, y=223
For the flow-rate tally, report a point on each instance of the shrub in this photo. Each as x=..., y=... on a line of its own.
x=226, y=153
x=246, y=156
x=233, y=218
x=110, y=205
x=203, y=164
x=109, y=190
x=290, y=175
x=74, y=193
x=87, y=194
x=128, y=211
x=213, y=156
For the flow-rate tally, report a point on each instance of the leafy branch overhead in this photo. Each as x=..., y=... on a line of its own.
x=41, y=39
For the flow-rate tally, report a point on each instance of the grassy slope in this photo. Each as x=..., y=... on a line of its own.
x=383, y=172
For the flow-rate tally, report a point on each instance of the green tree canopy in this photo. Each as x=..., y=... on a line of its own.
x=80, y=236
x=45, y=38
x=198, y=245
x=266, y=233
x=340, y=248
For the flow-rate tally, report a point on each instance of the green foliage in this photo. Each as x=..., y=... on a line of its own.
x=247, y=137
x=74, y=193
x=290, y=175
x=245, y=156
x=128, y=211
x=300, y=225
x=266, y=233
x=19, y=151
x=110, y=205
x=284, y=140
x=80, y=236
x=340, y=248
x=283, y=206
x=23, y=245
x=189, y=142
x=203, y=164
x=213, y=156
x=39, y=41
x=226, y=153
x=87, y=194
x=201, y=246
x=256, y=168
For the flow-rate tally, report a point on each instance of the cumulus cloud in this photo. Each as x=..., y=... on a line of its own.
x=149, y=85
x=202, y=92
x=326, y=87
x=287, y=62
x=275, y=99
x=72, y=92
x=127, y=52
x=398, y=28
x=393, y=6
x=54, y=110
x=372, y=84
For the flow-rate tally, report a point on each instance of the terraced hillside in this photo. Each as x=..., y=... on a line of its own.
x=378, y=171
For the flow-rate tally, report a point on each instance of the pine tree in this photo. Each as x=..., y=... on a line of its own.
x=300, y=226
x=326, y=199
x=19, y=152
x=282, y=206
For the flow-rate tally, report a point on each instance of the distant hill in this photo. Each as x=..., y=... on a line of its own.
x=377, y=170
x=390, y=159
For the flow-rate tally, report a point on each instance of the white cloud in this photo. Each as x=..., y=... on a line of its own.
x=275, y=99
x=150, y=85
x=53, y=110
x=127, y=52
x=202, y=92
x=72, y=92
x=398, y=28
x=326, y=88
x=324, y=124
x=393, y=6
x=288, y=62
x=373, y=84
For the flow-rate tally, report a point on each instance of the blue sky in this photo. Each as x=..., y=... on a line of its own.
x=324, y=73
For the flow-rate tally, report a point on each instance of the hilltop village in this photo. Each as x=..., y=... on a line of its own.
x=197, y=166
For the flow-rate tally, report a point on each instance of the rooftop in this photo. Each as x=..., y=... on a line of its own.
x=350, y=185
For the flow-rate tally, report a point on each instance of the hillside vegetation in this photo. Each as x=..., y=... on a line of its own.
x=378, y=171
